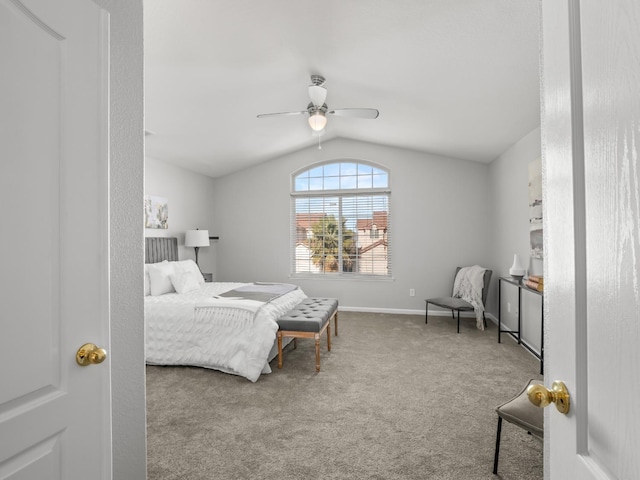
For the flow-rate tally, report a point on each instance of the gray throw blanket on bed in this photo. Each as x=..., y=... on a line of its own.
x=260, y=291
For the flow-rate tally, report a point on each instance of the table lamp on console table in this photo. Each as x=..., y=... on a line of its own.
x=196, y=239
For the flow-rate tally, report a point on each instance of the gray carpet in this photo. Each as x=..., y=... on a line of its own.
x=396, y=399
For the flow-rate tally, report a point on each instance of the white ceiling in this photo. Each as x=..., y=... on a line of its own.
x=453, y=77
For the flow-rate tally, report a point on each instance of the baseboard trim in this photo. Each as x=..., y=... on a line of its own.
x=397, y=311
x=407, y=311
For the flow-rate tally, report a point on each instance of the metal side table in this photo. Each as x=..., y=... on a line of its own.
x=516, y=333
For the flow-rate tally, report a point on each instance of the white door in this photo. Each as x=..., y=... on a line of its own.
x=54, y=414
x=591, y=145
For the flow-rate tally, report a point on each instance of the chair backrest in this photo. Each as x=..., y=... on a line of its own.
x=485, y=283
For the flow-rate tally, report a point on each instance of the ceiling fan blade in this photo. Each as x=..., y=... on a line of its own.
x=263, y=115
x=355, y=112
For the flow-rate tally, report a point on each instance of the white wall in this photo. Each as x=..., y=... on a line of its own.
x=126, y=170
x=191, y=201
x=444, y=212
x=509, y=204
x=439, y=215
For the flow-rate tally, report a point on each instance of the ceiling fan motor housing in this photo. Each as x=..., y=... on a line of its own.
x=317, y=80
x=311, y=108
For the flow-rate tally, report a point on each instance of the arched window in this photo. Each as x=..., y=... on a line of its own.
x=341, y=219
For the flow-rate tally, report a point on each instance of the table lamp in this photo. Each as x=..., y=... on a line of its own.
x=196, y=239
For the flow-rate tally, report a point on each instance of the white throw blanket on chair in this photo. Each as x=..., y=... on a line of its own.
x=468, y=286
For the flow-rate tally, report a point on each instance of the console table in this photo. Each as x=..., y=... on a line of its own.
x=516, y=333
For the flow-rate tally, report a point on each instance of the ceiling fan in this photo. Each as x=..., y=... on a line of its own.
x=318, y=110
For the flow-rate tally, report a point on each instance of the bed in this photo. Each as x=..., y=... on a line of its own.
x=224, y=326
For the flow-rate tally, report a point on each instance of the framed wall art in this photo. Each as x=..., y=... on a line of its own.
x=156, y=212
x=535, y=208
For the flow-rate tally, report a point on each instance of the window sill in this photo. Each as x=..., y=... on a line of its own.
x=340, y=277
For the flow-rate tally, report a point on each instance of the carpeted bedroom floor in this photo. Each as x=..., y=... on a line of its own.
x=395, y=399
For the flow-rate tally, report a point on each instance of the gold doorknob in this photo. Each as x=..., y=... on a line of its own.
x=90, y=354
x=541, y=396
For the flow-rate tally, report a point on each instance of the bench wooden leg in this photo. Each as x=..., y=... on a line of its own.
x=305, y=334
x=317, y=337
x=335, y=320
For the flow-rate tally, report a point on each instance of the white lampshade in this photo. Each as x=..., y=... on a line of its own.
x=317, y=121
x=196, y=238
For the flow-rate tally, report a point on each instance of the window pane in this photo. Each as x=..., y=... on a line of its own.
x=332, y=183
x=316, y=172
x=348, y=182
x=381, y=181
x=364, y=169
x=302, y=184
x=332, y=170
x=348, y=169
x=365, y=181
x=315, y=183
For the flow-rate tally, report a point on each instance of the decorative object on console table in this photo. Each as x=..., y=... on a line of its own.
x=517, y=270
x=196, y=239
x=535, y=282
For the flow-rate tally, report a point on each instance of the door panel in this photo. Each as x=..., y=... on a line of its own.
x=53, y=189
x=40, y=461
x=35, y=102
x=590, y=117
x=611, y=75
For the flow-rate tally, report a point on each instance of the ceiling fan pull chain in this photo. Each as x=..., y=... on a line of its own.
x=319, y=146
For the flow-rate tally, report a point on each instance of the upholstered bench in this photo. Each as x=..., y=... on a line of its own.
x=309, y=319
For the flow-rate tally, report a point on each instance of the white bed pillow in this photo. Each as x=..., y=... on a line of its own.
x=160, y=278
x=147, y=281
x=184, y=282
x=189, y=266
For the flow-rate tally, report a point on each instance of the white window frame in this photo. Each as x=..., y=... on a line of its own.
x=341, y=195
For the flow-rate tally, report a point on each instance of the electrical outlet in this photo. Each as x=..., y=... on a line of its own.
x=509, y=307
x=412, y=292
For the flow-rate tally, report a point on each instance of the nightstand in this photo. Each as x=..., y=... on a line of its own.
x=208, y=277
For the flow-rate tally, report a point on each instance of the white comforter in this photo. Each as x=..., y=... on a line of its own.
x=231, y=335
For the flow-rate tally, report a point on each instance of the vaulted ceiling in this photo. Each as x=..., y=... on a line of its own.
x=458, y=78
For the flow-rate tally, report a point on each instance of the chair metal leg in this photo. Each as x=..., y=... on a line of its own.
x=426, y=313
x=458, y=321
x=484, y=320
x=452, y=315
x=497, y=454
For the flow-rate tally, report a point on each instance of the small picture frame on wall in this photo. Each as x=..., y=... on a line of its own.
x=535, y=208
x=156, y=212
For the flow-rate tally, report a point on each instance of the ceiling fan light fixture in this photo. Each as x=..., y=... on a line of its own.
x=317, y=94
x=317, y=109
x=317, y=121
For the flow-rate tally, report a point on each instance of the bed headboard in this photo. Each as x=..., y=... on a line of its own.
x=158, y=249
